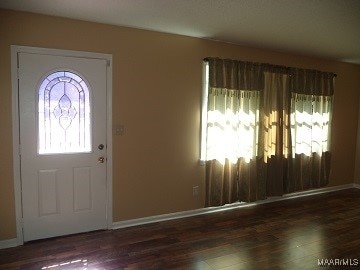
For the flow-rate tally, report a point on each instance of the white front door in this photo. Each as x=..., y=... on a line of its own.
x=62, y=109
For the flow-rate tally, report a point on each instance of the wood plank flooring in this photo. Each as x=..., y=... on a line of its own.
x=290, y=234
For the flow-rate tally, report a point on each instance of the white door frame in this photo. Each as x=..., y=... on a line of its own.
x=16, y=126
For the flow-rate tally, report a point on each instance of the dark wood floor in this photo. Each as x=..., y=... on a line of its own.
x=291, y=234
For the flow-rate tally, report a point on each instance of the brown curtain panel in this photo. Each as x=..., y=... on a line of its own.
x=243, y=179
x=311, y=109
x=276, y=130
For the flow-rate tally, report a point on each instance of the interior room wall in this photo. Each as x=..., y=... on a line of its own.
x=157, y=80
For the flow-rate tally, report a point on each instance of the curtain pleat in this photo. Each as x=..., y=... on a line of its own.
x=221, y=183
x=309, y=172
x=252, y=180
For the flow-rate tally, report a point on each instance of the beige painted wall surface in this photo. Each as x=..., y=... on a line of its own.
x=157, y=82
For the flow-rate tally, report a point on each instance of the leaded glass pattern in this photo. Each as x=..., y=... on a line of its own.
x=64, y=124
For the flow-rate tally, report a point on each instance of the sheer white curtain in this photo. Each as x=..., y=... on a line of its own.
x=232, y=125
x=310, y=124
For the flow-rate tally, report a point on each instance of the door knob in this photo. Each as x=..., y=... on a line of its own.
x=101, y=159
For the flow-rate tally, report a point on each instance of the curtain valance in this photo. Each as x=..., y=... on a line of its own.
x=242, y=75
x=312, y=82
x=237, y=75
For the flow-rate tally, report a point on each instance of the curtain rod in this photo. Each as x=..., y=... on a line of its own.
x=206, y=59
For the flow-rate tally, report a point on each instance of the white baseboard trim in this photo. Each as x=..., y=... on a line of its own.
x=209, y=210
x=8, y=243
x=318, y=191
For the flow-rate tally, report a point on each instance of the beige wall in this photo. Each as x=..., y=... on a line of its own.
x=157, y=82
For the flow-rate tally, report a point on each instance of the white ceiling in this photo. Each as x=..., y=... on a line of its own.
x=322, y=28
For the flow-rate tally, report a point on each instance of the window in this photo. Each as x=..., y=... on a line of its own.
x=64, y=124
x=310, y=124
x=230, y=117
x=230, y=123
x=265, y=130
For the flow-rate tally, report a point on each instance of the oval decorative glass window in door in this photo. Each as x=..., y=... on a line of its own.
x=64, y=123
